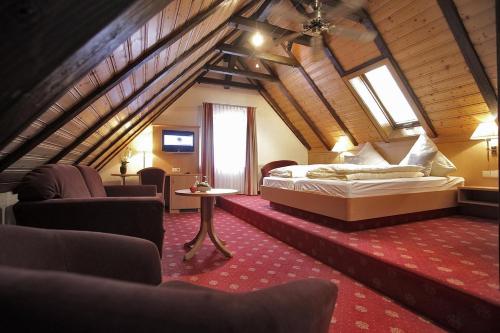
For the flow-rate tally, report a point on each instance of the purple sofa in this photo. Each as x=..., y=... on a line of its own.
x=58, y=196
x=75, y=281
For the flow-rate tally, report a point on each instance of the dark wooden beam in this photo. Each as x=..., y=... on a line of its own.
x=275, y=106
x=236, y=72
x=323, y=99
x=469, y=53
x=129, y=118
x=49, y=46
x=65, y=118
x=384, y=50
x=299, y=108
x=246, y=24
x=224, y=83
x=87, y=101
x=244, y=52
x=230, y=64
x=332, y=57
x=363, y=65
x=136, y=125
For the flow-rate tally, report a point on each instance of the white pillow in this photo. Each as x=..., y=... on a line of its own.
x=368, y=156
x=441, y=166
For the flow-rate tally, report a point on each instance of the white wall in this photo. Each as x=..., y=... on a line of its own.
x=275, y=141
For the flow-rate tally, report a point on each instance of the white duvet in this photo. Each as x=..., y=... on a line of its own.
x=357, y=171
x=293, y=171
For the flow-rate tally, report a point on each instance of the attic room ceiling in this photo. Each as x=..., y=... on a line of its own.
x=121, y=66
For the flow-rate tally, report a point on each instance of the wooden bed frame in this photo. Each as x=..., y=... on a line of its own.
x=363, y=209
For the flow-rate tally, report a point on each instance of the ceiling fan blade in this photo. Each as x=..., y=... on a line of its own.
x=357, y=35
x=343, y=9
x=287, y=11
x=317, y=48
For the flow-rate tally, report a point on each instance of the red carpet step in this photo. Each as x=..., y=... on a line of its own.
x=261, y=261
x=445, y=269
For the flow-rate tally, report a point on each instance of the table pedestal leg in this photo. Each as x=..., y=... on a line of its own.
x=206, y=226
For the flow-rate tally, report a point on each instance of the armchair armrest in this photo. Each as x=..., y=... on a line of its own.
x=130, y=190
x=130, y=216
x=91, y=253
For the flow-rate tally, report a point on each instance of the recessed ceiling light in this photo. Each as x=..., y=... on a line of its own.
x=257, y=66
x=257, y=39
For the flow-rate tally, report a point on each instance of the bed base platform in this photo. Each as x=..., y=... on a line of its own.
x=351, y=214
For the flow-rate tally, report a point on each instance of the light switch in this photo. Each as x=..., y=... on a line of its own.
x=176, y=169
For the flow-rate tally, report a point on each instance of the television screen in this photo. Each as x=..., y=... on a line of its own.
x=178, y=141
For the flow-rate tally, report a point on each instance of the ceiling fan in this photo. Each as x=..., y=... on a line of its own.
x=316, y=18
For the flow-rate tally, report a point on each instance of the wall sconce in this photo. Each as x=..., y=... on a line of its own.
x=341, y=146
x=487, y=131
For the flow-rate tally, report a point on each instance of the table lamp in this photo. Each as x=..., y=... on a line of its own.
x=487, y=131
x=341, y=146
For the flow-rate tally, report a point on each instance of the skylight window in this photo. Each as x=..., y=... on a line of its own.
x=383, y=97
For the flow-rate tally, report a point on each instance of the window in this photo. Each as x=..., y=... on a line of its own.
x=384, y=97
x=229, y=128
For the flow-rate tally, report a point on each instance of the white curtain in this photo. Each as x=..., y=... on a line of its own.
x=230, y=127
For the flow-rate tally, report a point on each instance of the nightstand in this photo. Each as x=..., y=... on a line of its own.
x=478, y=201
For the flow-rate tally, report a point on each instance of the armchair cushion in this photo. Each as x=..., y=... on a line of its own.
x=90, y=253
x=130, y=190
x=53, y=181
x=87, y=304
x=93, y=180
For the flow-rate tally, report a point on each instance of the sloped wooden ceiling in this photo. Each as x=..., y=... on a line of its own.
x=115, y=100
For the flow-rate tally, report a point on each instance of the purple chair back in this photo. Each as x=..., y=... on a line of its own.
x=153, y=176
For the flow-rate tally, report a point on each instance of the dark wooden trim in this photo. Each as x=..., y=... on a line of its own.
x=136, y=125
x=332, y=57
x=236, y=72
x=49, y=46
x=363, y=65
x=299, y=108
x=384, y=50
x=247, y=24
x=275, y=106
x=206, y=80
x=230, y=65
x=108, y=135
x=31, y=143
x=323, y=99
x=244, y=52
x=462, y=38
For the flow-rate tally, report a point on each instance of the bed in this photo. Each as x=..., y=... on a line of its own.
x=361, y=204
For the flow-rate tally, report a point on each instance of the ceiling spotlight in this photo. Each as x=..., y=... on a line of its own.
x=257, y=39
x=257, y=66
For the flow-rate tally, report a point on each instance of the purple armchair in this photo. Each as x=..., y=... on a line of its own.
x=153, y=176
x=75, y=281
x=57, y=196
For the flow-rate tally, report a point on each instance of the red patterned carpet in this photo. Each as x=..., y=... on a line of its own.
x=260, y=261
x=445, y=268
x=459, y=251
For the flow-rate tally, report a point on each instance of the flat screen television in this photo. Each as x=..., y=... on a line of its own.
x=177, y=141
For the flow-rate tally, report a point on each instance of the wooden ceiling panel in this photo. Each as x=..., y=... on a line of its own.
x=430, y=59
x=479, y=20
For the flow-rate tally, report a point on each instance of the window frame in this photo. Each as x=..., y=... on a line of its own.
x=391, y=129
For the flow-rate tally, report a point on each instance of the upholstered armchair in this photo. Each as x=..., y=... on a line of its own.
x=57, y=196
x=153, y=176
x=76, y=281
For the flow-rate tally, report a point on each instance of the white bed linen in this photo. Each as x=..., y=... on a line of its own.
x=373, y=187
x=283, y=183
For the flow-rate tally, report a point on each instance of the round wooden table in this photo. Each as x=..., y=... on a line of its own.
x=206, y=220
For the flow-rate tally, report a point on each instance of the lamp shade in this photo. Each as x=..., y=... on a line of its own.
x=341, y=145
x=486, y=130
